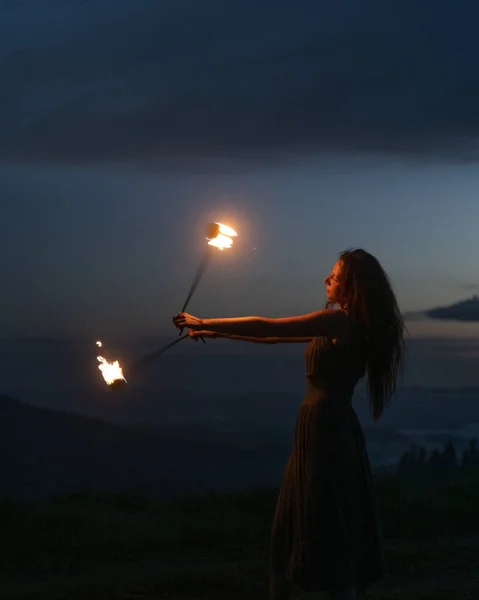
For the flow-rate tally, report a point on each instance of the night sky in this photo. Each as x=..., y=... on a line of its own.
x=309, y=127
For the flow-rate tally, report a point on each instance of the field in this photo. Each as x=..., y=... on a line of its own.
x=89, y=547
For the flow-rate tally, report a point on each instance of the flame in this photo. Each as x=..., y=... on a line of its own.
x=111, y=371
x=223, y=239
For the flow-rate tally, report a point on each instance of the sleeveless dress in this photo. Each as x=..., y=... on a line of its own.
x=326, y=531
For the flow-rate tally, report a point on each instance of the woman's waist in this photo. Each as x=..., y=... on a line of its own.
x=323, y=393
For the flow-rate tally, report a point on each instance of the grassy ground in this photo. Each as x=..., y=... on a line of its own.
x=216, y=547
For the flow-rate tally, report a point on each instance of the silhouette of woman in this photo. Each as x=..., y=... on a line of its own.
x=326, y=535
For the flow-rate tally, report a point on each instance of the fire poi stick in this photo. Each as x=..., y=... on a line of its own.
x=199, y=274
x=218, y=236
x=112, y=371
x=149, y=357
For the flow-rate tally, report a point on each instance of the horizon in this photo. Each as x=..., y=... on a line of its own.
x=419, y=327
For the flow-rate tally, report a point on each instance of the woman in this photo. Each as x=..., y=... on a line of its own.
x=326, y=535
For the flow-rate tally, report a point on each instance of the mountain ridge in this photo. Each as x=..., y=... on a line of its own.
x=46, y=451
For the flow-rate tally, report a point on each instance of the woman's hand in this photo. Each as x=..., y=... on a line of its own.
x=201, y=335
x=184, y=320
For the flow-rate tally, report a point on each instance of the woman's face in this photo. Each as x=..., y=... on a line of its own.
x=333, y=284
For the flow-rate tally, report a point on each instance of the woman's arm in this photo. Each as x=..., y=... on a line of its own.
x=259, y=340
x=327, y=322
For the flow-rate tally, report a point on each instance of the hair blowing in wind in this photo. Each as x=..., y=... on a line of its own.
x=371, y=302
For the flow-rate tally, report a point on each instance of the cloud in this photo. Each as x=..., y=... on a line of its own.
x=104, y=80
x=464, y=310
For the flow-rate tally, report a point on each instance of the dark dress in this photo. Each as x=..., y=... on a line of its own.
x=326, y=532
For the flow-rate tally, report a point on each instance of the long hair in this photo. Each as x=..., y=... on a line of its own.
x=369, y=299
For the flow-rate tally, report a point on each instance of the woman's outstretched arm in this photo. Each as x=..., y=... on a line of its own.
x=327, y=322
x=254, y=340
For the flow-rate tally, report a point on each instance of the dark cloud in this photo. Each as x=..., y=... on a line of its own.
x=465, y=310
x=104, y=80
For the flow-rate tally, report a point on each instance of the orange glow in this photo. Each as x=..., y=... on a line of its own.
x=223, y=238
x=111, y=371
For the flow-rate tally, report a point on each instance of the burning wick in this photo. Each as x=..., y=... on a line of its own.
x=220, y=235
x=111, y=371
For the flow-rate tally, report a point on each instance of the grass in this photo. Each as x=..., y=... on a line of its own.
x=93, y=547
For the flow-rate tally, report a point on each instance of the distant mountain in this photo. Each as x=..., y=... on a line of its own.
x=464, y=310
x=43, y=452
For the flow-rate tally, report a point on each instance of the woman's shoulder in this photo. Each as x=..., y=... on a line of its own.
x=347, y=331
x=343, y=321
x=328, y=322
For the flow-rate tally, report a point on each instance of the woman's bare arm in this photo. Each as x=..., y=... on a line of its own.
x=265, y=340
x=327, y=322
